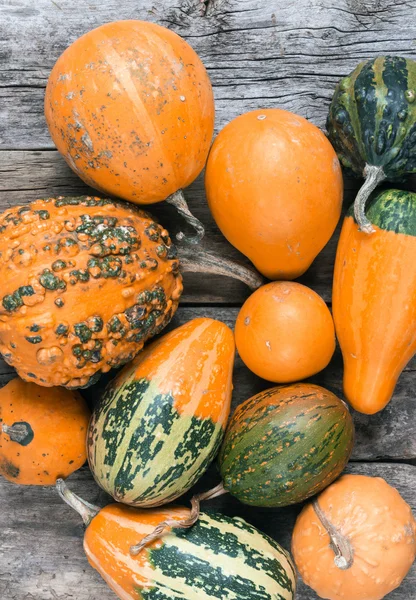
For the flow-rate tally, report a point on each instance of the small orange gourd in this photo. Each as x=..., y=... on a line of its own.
x=130, y=107
x=274, y=187
x=285, y=332
x=357, y=541
x=42, y=433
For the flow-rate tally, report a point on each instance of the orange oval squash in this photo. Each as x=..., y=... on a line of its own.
x=42, y=433
x=285, y=332
x=375, y=531
x=374, y=304
x=274, y=187
x=130, y=107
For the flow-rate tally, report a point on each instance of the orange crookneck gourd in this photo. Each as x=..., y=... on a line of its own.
x=130, y=107
x=374, y=299
x=274, y=187
x=356, y=541
x=42, y=433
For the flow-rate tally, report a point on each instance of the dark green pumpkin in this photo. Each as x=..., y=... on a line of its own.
x=372, y=124
x=285, y=445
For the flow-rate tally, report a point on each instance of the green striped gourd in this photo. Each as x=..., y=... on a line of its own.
x=285, y=445
x=219, y=558
x=372, y=124
x=161, y=421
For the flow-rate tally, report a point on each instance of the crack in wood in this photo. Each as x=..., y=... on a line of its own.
x=211, y=7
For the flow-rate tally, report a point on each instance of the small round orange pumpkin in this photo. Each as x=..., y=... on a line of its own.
x=42, y=433
x=274, y=187
x=357, y=541
x=130, y=107
x=285, y=332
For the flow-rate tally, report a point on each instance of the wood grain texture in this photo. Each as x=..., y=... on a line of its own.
x=41, y=538
x=258, y=54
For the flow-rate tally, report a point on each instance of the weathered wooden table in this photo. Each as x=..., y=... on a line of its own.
x=273, y=53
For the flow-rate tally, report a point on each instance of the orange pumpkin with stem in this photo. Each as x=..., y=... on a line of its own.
x=357, y=541
x=374, y=299
x=42, y=433
x=274, y=187
x=130, y=107
x=285, y=332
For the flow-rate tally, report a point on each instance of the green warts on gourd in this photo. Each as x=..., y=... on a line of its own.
x=372, y=125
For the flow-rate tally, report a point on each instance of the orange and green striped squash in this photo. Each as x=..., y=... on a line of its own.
x=285, y=445
x=219, y=558
x=161, y=421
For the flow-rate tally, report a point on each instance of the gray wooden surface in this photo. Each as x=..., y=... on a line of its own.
x=287, y=54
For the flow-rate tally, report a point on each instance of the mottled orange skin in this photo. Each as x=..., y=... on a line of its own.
x=374, y=305
x=274, y=187
x=130, y=107
x=380, y=527
x=285, y=332
x=59, y=420
x=33, y=244
x=195, y=364
x=112, y=533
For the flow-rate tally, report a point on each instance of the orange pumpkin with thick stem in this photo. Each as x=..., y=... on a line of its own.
x=356, y=541
x=285, y=332
x=274, y=187
x=130, y=107
x=42, y=433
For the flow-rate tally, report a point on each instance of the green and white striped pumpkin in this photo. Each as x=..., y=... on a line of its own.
x=161, y=421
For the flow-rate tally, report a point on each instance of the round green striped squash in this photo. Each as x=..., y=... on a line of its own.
x=285, y=445
x=372, y=124
x=160, y=423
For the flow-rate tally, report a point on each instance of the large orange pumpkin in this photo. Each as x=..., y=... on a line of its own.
x=42, y=433
x=274, y=186
x=357, y=541
x=130, y=107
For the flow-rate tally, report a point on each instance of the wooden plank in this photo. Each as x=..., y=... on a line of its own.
x=390, y=434
x=287, y=54
x=27, y=175
x=42, y=556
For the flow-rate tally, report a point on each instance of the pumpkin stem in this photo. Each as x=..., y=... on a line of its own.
x=199, y=261
x=22, y=433
x=85, y=509
x=373, y=177
x=340, y=545
x=178, y=201
x=157, y=533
